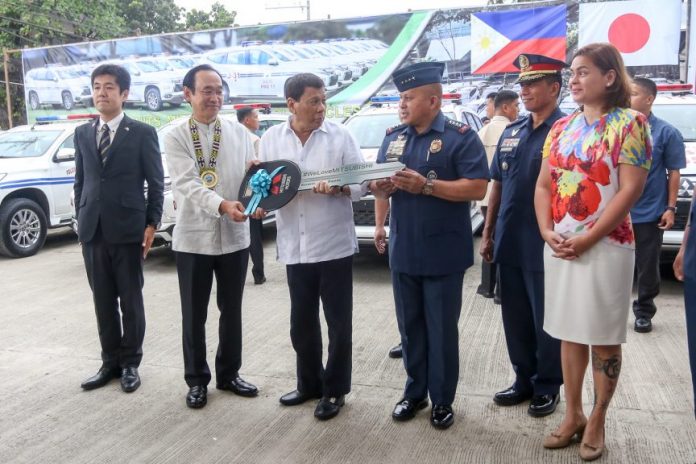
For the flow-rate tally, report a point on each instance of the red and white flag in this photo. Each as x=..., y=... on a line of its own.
x=646, y=32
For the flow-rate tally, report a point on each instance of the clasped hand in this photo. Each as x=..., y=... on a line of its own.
x=567, y=248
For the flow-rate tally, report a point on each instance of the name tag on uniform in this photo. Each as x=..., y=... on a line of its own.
x=396, y=148
x=508, y=145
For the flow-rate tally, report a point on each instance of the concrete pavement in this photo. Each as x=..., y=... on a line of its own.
x=48, y=345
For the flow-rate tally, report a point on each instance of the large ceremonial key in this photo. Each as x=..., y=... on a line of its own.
x=350, y=174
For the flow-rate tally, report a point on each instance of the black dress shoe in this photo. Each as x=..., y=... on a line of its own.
x=296, y=397
x=130, y=380
x=259, y=281
x=396, y=352
x=103, y=376
x=510, y=397
x=484, y=292
x=643, y=325
x=406, y=409
x=442, y=416
x=543, y=405
x=328, y=408
x=197, y=396
x=239, y=386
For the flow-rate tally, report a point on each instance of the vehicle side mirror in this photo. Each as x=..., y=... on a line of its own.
x=65, y=154
x=273, y=62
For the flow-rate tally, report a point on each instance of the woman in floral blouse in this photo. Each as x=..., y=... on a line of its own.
x=595, y=167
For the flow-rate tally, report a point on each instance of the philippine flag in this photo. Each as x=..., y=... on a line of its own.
x=497, y=38
x=646, y=32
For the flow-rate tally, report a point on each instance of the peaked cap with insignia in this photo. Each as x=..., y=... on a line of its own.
x=535, y=67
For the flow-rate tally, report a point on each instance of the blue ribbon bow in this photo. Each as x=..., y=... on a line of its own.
x=260, y=184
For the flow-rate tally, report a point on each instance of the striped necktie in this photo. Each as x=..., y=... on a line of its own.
x=104, y=142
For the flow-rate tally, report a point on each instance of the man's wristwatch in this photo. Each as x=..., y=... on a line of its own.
x=428, y=187
x=671, y=208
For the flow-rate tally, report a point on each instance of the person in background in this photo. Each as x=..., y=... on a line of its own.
x=654, y=211
x=595, y=165
x=506, y=104
x=249, y=118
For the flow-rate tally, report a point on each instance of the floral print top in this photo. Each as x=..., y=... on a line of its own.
x=583, y=162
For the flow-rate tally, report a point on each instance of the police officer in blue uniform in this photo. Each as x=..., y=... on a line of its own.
x=518, y=247
x=685, y=270
x=431, y=244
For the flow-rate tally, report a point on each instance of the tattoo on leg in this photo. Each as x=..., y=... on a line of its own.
x=611, y=366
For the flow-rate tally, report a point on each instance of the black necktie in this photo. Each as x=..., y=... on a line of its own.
x=104, y=142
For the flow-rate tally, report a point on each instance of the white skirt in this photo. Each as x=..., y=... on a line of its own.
x=587, y=300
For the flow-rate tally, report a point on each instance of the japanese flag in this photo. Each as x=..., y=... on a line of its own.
x=645, y=33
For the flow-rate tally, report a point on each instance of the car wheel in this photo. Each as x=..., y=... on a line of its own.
x=34, y=102
x=22, y=228
x=153, y=99
x=67, y=99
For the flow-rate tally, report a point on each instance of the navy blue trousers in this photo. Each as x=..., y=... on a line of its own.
x=690, y=302
x=534, y=354
x=427, y=310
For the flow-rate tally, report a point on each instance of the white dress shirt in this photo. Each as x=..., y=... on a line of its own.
x=490, y=135
x=199, y=227
x=113, y=127
x=314, y=227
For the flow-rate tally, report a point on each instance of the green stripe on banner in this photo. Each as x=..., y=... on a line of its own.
x=380, y=68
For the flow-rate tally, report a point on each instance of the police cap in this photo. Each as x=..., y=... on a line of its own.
x=415, y=75
x=535, y=67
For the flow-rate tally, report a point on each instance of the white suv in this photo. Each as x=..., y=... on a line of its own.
x=37, y=173
x=59, y=86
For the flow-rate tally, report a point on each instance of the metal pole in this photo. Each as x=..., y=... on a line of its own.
x=308, y=18
x=6, y=63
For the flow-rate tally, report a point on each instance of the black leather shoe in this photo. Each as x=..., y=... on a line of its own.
x=197, y=396
x=406, y=409
x=442, y=416
x=396, y=352
x=328, y=408
x=296, y=397
x=239, y=387
x=643, y=325
x=510, y=397
x=543, y=405
x=130, y=380
x=497, y=300
x=259, y=281
x=103, y=376
x=484, y=292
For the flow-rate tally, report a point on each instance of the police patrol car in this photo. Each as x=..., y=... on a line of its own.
x=37, y=172
x=369, y=127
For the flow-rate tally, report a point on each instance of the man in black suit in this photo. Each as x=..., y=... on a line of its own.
x=114, y=156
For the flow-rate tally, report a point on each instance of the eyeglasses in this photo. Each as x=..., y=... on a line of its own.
x=210, y=93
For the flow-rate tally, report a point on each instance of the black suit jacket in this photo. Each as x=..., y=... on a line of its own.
x=112, y=194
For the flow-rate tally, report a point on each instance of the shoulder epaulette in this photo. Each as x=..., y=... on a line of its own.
x=397, y=127
x=456, y=125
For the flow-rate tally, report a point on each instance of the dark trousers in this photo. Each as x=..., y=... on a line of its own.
x=648, y=245
x=488, y=272
x=256, y=248
x=195, y=273
x=332, y=283
x=690, y=303
x=534, y=354
x=115, y=275
x=427, y=310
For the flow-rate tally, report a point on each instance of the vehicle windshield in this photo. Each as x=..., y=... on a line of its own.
x=68, y=74
x=369, y=129
x=26, y=144
x=150, y=66
x=683, y=117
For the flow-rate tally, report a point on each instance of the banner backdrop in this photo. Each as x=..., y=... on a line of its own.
x=354, y=56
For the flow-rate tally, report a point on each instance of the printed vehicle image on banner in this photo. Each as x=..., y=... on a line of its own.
x=254, y=62
x=355, y=57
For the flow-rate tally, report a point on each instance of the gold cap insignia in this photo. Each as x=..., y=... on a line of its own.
x=524, y=63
